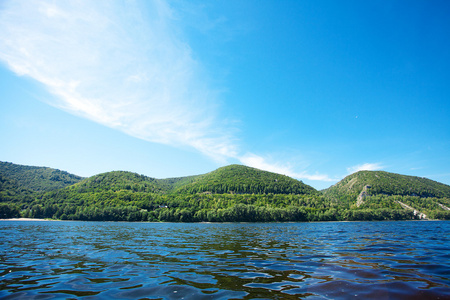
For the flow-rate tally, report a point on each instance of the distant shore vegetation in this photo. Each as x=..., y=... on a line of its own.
x=230, y=194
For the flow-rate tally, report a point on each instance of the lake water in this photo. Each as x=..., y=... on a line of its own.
x=334, y=260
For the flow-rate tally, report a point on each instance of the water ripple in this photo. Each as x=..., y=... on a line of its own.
x=373, y=260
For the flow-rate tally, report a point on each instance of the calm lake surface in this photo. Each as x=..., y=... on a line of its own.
x=334, y=260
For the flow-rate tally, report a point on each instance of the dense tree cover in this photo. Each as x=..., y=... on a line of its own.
x=37, y=178
x=219, y=196
x=11, y=191
x=128, y=205
x=137, y=206
x=121, y=180
x=177, y=182
x=8, y=211
x=245, y=180
x=432, y=207
x=380, y=182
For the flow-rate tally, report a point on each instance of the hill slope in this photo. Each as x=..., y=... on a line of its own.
x=37, y=179
x=380, y=182
x=177, y=182
x=245, y=180
x=11, y=191
x=121, y=180
x=228, y=194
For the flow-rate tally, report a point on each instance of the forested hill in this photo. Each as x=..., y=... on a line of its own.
x=234, y=179
x=385, y=183
x=233, y=193
x=38, y=179
x=121, y=180
x=240, y=179
x=11, y=191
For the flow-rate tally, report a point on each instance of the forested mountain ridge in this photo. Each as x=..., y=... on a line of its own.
x=379, y=189
x=121, y=180
x=240, y=179
x=38, y=179
x=386, y=183
x=233, y=193
x=233, y=179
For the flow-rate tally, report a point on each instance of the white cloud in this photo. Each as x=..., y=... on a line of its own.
x=123, y=66
x=117, y=64
x=259, y=162
x=365, y=167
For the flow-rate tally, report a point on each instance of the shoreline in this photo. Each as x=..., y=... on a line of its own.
x=53, y=220
x=26, y=219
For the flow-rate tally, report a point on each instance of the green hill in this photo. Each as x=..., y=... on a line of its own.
x=233, y=193
x=127, y=196
x=37, y=179
x=121, y=180
x=240, y=179
x=385, y=183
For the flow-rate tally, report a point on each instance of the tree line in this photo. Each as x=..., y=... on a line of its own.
x=132, y=206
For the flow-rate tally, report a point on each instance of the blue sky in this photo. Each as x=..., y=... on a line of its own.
x=315, y=90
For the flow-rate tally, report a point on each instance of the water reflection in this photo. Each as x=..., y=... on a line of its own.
x=374, y=260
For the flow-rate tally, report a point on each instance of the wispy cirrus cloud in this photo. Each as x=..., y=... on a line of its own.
x=126, y=67
x=365, y=167
x=116, y=64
